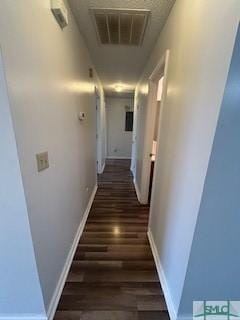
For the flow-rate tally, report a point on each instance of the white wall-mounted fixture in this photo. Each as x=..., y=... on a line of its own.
x=81, y=116
x=60, y=12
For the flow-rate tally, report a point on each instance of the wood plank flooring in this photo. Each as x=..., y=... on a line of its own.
x=113, y=276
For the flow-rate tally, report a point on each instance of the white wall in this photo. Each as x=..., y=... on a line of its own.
x=20, y=291
x=213, y=268
x=119, y=141
x=199, y=62
x=48, y=82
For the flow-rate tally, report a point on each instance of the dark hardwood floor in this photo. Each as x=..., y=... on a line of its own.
x=113, y=276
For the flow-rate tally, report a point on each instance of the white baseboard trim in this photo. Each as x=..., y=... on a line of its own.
x=24, y=317
x=102, y=169
x=137, y=190
x=61, y=282
x=162, y=278
x=187, y=317
x=132, y=168
x=120, y=158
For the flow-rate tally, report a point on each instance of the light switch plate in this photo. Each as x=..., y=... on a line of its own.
x=42, y=161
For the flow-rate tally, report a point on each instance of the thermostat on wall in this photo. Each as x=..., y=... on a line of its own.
x=81, y=116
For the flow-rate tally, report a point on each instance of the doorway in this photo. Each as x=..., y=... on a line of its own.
x=157, y=88
x=155, y=134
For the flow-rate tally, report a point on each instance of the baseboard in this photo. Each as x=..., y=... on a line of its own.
x=185, y=317
x=59, y=288
x=132, y=168
x=162, y=279
x=24, y=317
x=102, y=169
x=119, y=158
x=137, y=190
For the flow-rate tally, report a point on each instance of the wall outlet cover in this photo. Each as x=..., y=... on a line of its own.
x=42, y=161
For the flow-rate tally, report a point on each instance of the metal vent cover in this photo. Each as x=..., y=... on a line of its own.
x=120, y=26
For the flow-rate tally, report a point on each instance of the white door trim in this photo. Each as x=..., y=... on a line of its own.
x=160, y=70
x=98, y=130
x=134, y=136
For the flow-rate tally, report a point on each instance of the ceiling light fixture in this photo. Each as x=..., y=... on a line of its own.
x=118, y=88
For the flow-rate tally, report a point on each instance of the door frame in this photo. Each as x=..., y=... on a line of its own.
x=160, y=70
x=134, y=135
x=98, y=131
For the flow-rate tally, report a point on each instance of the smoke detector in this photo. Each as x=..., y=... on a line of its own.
x=120, y=26
x=60, y=12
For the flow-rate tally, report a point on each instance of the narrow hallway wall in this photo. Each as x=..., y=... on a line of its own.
x=47, y=72
x=198, y=68
x=213, y=268
x=20, y=292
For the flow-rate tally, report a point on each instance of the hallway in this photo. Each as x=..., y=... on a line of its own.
x=86, y=85
x=113, y=276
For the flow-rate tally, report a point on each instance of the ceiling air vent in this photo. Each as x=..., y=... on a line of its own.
x=120, y=26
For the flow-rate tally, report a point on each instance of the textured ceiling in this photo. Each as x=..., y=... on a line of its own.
x=118, y=63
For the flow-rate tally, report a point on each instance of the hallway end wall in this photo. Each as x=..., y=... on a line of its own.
x=119, y=141
x=198, y=67
x=47, y=71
